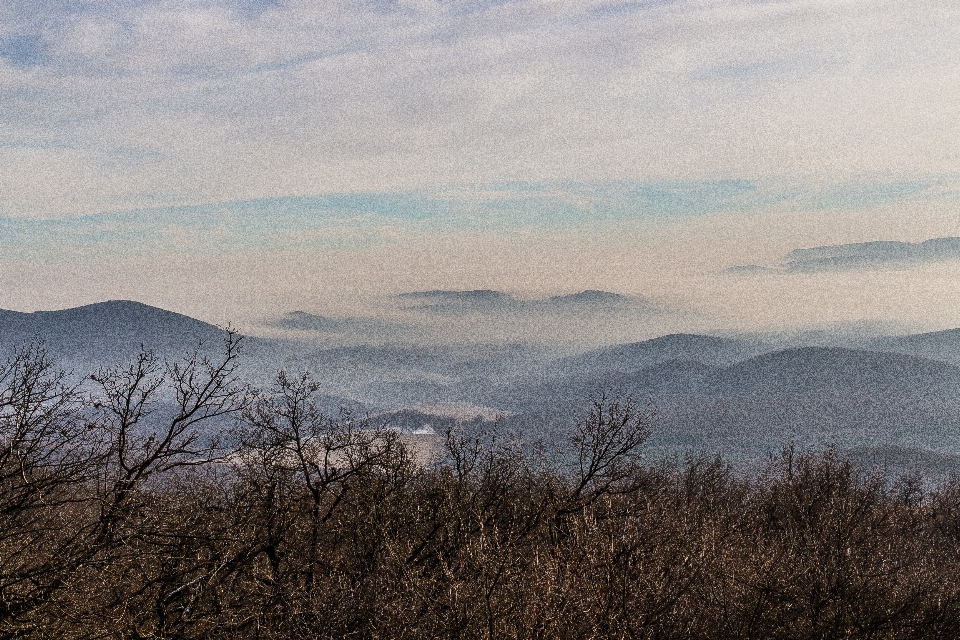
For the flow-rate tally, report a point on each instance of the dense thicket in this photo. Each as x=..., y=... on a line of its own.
x=130, y=509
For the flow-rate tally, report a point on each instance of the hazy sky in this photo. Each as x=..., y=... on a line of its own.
x=234, y=160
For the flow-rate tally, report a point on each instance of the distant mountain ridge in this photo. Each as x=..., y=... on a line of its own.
x=107, y=331
x=859, y=255
x=112, y=333
x=676, y=346
x=879, y=252
x=937, y=345
x=303, y=321
x=734, y=395
x=478, y=300
x=491, y=301
x=446, y=294
x=590, y=296
x=814, y=396
x=825, y=369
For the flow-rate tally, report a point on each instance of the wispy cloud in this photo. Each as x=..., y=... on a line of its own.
x=114, y=105
x=876, y=254
x=352, y=221
x=871, y=255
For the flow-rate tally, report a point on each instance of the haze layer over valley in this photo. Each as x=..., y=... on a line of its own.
x=885, y=399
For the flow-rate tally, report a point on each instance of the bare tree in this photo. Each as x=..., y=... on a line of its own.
x=48, y=450
x=154, y=420
x=608, y=445
x=291, y=438
x=144, y=442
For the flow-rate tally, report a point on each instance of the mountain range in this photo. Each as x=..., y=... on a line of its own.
x=741, y=397
x=486, y=301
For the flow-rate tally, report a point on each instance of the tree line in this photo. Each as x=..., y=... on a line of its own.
x=170, y=500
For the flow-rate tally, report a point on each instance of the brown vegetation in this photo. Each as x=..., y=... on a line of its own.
x=124, y=515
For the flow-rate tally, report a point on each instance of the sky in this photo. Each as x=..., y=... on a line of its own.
x=238, y=160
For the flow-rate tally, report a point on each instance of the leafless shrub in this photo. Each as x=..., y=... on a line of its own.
x=123, y=515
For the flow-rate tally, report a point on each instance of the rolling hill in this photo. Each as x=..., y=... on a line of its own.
x=107, y=332
x=813, y=396
x=740, y=397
